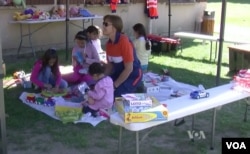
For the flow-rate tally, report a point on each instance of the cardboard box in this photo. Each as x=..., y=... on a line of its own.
x=155, y=113
x=137, y=99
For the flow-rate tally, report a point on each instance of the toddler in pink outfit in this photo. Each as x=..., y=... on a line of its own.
x=102, y=94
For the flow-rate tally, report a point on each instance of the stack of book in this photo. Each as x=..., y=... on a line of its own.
x=139, y=107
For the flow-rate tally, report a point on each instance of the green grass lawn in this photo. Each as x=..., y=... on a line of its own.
x=192, y=66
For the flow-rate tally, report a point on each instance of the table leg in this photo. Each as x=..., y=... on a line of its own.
x=21, y=39
x=211, y=46
x=83, y=24
x=120, y=140
x=193, y=118
x=31, y=45
x=137, y=142
x=215, y=56
x=213, y=129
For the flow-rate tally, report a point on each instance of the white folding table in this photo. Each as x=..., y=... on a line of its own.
x=184, y=106
x=45, y=23
x=201, y=37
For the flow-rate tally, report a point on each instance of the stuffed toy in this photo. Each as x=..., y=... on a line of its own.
x=19, y=2
x=36, y=14
x=20, y=16
x=44, y=16
x=28, y=11
x=61, y=10
x=74, y=11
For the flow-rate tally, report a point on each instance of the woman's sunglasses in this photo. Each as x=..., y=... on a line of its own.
x=106, y=24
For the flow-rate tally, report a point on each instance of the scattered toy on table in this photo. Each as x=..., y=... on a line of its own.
x=29, y=11
x=85, y=13
x=175, y=94
x=197, y=94
x=58, y=12
x=19, y=2
x=18, y=16
x=74, y=11
x=165, y=71
x=164, y=78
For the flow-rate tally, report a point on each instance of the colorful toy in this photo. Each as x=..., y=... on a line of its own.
x=49, y=93
x=20, y=16
x=197, y=94
x=30, y=98
x=19, y=2
x=28, y=11
x=39, y=100
x=49, y=102
x=74, y=11
x=36, y=14
x=61, y=10
x=19, y=75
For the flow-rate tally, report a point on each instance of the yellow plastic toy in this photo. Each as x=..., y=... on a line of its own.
x=20, y=16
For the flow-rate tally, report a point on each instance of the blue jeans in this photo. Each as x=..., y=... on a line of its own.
x=46, y=76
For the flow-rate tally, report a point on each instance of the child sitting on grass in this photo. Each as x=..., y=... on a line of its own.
x=46, y=74
x=102, y=94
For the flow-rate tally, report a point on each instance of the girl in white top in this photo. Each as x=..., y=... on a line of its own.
x=142, y=45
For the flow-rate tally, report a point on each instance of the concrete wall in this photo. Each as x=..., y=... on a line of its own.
x=53, y=35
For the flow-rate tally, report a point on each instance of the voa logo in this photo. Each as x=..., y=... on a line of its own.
x=193, y=134
x=236, y=145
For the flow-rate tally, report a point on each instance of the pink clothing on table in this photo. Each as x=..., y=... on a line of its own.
x=103, y=94
x=35, y=73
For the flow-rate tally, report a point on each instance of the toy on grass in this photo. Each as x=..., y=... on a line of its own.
x=30, y=98
x=49, y=102
x=18, y=74
x=50, y=93
x=39, y=100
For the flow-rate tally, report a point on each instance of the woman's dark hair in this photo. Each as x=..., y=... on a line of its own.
x=50, y=54
x=140, y=29
x=81, y=35
x=96, y=68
